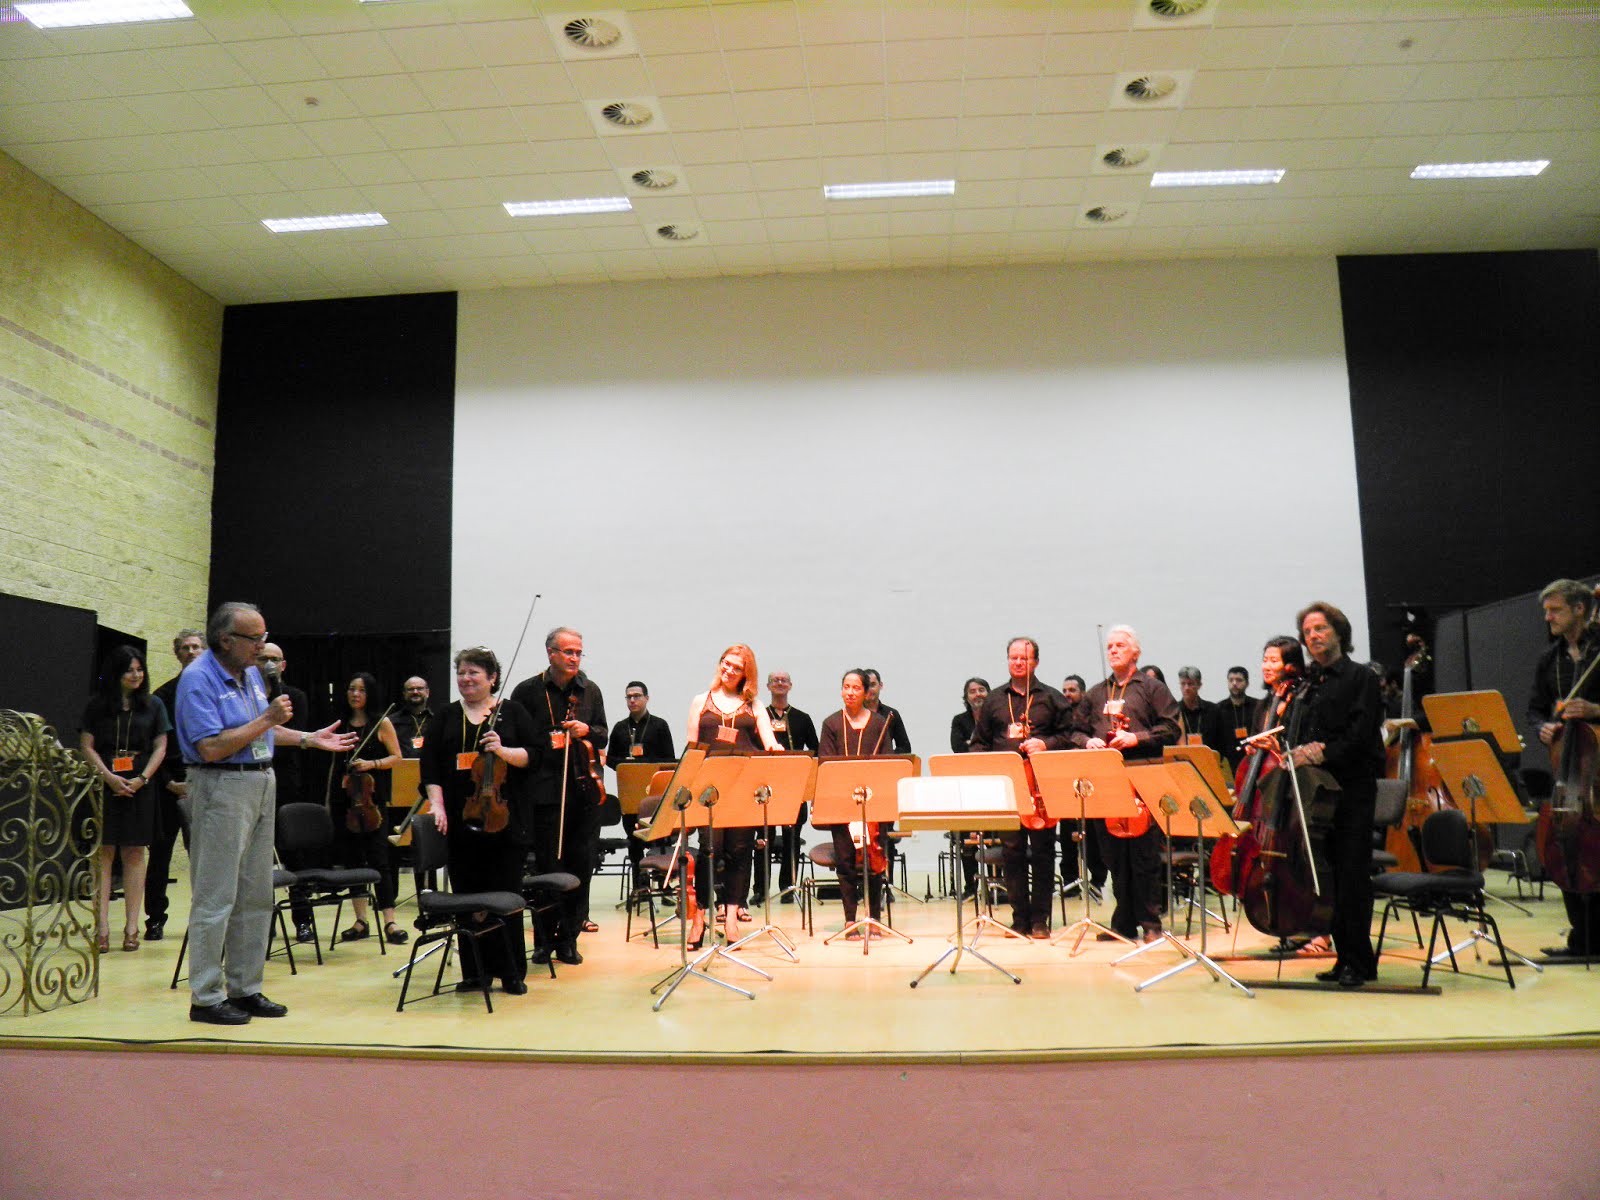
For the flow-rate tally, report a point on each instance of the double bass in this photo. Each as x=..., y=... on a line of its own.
x=1288, y=888
x=1410, y=760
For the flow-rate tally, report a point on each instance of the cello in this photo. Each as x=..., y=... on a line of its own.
x=1289, y=887
x=1568, y=830
x=1231, y=856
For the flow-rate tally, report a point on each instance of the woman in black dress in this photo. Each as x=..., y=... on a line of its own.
x=350, y=778
x=855, y=731
x=124, y=737
x=726, y=718
x=479, y=861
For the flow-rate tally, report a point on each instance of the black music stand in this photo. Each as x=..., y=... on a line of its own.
x=960, y=804
x=1084, y=785
x=689, y=802
x=860, y=789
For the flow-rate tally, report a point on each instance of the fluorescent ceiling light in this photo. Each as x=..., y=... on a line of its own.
x=1483, y=170
x=1214, y=178
x=66, y=14
x=889, y=191
x=337, y=221
x=560, y=208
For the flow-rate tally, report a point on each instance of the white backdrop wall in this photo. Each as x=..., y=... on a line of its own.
x=903, y=469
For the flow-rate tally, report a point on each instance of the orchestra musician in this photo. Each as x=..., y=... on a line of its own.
x=855, y=731
x=411, y=719
x=794, y=730
x=1026, y=716
x=458, y=738
x=567, y=711
x=1234, y=714
x=1074, y=688
x=374, y=757
x=726, y=718
x=1568, y=611
x=1130, y=711
x=973, y=693
x=900, y=740
x=1341, y=732
x=640, y=737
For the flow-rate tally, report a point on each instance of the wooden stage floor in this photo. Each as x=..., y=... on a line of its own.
x=835, y=1004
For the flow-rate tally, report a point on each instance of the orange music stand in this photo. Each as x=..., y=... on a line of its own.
x=1084, y=785
x=864, y=790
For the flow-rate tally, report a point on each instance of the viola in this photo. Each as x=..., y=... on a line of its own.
x=486, y=809
x=1037, y=818
x=1138, y=824
x=362, y=816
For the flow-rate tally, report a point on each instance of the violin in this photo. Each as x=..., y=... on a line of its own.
x=1138, y=824
x=586, y=770
x=360, y=788
x=486, y=809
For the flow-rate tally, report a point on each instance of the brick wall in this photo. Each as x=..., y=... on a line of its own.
x=108, y=399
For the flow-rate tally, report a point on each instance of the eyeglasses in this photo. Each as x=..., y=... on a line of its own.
x=257, y=638
x=567, y=653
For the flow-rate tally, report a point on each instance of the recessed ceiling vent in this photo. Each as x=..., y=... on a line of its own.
x=654, y=179
x=604, y=34
x=1113, y=214
x=1150, y=89
x=592, y=33
x=627, y=114
x=678, y=233
x=1123, y=158
x=1165, y=14
x=1104, y=214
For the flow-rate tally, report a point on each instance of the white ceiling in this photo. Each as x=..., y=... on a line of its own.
x=185, y=134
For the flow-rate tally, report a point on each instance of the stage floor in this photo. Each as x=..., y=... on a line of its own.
x=838, y=1004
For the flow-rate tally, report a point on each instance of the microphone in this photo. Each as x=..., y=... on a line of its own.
x=272, y=675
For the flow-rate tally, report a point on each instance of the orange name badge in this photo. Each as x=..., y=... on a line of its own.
x=558, y=739
x=1240, y=732
x=122, y=763
x=416, y=742
x=465, y=759
x=727, y=733
x=635, y=751
x=1193, y=739
x=1014, y=731
x=780, y=726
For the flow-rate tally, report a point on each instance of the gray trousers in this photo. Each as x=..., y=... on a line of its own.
x=231, y=816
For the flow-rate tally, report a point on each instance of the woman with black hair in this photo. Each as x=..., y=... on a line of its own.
x=358, y=783
x=124, y=737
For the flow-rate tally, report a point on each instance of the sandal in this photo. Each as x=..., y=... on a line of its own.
x=1317, y=947
x=743, y=914
x=590, y=927
x=395, y=935
x=356, y=932
x=102, y=941
x=130, y=939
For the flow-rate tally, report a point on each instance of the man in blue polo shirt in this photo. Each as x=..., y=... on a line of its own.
x=227, y=728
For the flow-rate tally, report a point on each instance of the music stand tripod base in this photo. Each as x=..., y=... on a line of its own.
x=961, y=948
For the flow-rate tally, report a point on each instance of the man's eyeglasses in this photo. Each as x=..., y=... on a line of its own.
x=257, y=638
x=568, y=653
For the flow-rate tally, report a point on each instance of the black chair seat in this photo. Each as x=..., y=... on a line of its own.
x=657, y=862
x=1382, y=860
x=449, y=904
x=823, y=856
x=551, y=881
x=283, y=879
x=992, y=854
x=332, y=878
x=1184, y=858
x=1412, y=884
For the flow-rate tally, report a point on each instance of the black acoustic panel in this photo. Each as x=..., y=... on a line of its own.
x=335, y=428
x=1470, y=379
x=48, y=656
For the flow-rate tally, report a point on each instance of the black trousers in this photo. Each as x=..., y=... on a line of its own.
x=1349, y=847
x=734, y=849
x=1583, y=914
x=490, y=862
x=1092, y=853
x=169, y=823
x=849, y=872
x=1029, y=864
x=576, y=858
x=1135, y=869
x=786, y=841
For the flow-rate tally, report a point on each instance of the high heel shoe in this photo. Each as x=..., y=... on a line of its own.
x=130, y=939
x=102, y=941
x=699, y=931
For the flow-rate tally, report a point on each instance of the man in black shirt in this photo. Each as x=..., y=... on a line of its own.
x=1131, y=711
x=1568, y=606
x=795, y=731
x=899, y=739
x=1232, y=717
x=1026, y=716
x=1341, y=731
x=171, y=788
x=412, y=717
x=566, y=707
x=1196, y=717
x=640, y=737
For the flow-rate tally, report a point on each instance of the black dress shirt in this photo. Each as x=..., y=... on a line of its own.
x=1555, y=675
x=1044, y=713
x=1151, y=711
x=798, y=732
x=652, y=736
x=408, y=727
x=1344, y=711
x=547, y=706
x=897, y=730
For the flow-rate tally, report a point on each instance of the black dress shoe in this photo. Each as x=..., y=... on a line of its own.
x=154, y=931
x=567, y=952
x=470, y=985
x=1345, y=977
x=258, y=1006
x=221, y=1013
x=514, y=987
x=1040, y=933
x=541, y=955
x=304, y=933
x=1331, y=975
